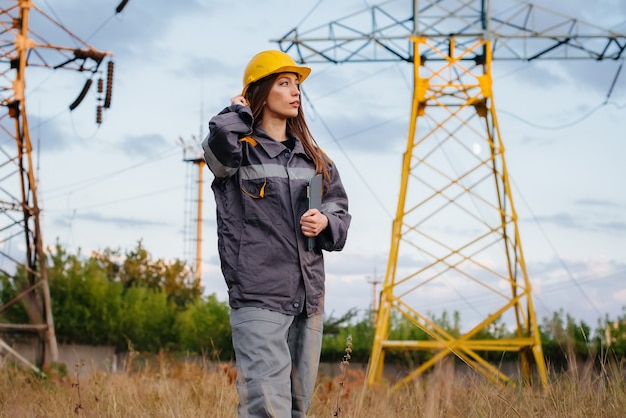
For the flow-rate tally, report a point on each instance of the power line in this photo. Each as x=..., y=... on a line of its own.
x=99, y=28
x=583, y=117
x=126, y=199
x=345, y=86
x=62, y=190
x=338, y=139
x=53, y=13
x=556, y=127
x=553, y=247
x=343, y=151
x=306, y=16
x=619, y=70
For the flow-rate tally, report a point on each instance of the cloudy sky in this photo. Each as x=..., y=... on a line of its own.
x=179, y=63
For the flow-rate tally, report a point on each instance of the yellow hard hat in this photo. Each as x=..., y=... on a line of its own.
x=271, y=62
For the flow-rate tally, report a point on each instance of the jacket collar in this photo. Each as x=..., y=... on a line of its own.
x=275, y=148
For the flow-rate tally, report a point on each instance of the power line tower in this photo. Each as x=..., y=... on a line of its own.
x=192, y=153
x=455, y=217
x=374, y=281
x=22, y=257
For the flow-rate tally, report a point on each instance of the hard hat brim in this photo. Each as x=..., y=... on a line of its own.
x=301, y=71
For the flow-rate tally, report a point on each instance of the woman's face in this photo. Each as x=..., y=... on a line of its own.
x=283, y=100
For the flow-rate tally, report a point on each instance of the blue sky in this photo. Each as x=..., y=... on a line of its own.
x=178, y=63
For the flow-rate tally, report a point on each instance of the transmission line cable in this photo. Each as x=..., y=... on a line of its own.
x=583, y=117
x=556, y=253
x=619, y=70
x=306, y=16
x=53, y=13
x=90, y=181
x=356, y=81
x=337, y=140
x=118, y=10
x=557, y=127
x=123, y=200
x=343, y=151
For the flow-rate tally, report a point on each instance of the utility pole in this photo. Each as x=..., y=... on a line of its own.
x=374, y=281
x=455, y=215
x=192, y=153
x=22, y=256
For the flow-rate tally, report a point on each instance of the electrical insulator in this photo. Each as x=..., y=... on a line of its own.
x=121, y=6
x=99, y=114
x=14, y=109
x=109, y=90
x=82, y=94
x=100, y=85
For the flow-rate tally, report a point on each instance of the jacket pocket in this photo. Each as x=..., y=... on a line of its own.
x=260, y=201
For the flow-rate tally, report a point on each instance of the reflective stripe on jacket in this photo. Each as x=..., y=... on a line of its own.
x=260, y=194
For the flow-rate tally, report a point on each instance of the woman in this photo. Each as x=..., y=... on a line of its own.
x=263, y=155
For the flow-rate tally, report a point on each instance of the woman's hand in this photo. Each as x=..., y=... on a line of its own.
x=313, y=222
x=240, y=100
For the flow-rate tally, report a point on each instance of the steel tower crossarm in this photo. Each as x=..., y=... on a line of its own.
x=518, y=31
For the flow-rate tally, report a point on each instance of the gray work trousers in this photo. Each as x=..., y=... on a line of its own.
x=277, y=359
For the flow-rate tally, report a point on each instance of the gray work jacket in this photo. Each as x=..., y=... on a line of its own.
x=260, y=194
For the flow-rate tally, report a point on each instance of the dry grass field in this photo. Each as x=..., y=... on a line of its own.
x=169, y=389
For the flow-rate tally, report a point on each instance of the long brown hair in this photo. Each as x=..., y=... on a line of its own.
x=257, y=95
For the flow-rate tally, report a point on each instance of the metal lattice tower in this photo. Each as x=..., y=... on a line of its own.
x=455, y=218
x=192, y=153
x=22, y=257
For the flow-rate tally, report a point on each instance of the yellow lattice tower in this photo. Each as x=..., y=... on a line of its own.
x=455, y=231
x=457, y=220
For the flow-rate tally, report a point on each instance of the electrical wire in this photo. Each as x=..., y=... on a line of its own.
x=122, y=200
x=82, y=184
x=556, y=127
x=617, y=105
x=556, y=253
x=306, y=16
x=345, y=86
x=320, y=2
x=369, y=128
x=338, y=139
x=99, y=28
x=343, y=151
x=118, y=10
x=580, y=119
x=619, y=70
x=53, y=13
x=536, y=220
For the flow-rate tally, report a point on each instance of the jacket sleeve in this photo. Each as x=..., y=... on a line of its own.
x=335, y=207
x=222, y=148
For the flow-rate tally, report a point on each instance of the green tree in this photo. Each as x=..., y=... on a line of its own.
x=92, y=305
x=336, y=331
x=138, y=269
x=564, y=340
x=87, y=307
x=613, y=334
x=9, y=289
x=147, y=320
x=204, y=327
